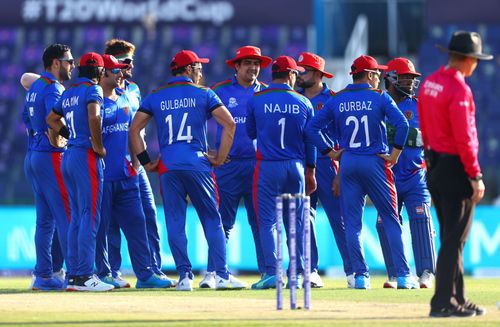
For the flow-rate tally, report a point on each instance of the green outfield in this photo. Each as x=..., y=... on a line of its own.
x=332, y=305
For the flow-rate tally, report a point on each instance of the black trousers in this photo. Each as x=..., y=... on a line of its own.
x=450, y=191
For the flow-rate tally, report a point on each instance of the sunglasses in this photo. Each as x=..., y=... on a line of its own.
x=126, y=61
x=376, y=72
x=70, y=61
x=115, y=70
x=306, y=71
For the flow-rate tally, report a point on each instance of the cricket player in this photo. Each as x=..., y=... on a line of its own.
x=43, y=164
x=359, y=113
x=312, y=86
x=181, y=109
x=235, y=178
x=121, y=196
x=409, y=173
x=80, y=105
x=277, y=118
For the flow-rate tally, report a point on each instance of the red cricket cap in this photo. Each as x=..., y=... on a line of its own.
x=110, y=62
x=402, y=66
x=186, y=57
x=308, y=59
x=364, y=63
x=284, y=64
x=91, y=59
x=249, y=52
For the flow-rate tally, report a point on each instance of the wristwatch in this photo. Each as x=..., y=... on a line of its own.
x=477, y=178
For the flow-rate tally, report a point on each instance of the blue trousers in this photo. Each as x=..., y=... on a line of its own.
x=121, y=201
x=273, y=178
x=234, y=182
x=52, y=207
x=83, y=176
x=149, y=208
x=415, y=197
x=362, y=175
x=176, y=185
x=326, y=170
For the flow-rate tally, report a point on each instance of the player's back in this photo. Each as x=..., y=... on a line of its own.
x=73, y=106
x=359, y=112
x=181, y=109
x=280, y=116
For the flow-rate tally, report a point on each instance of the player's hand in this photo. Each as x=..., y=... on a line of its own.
x=477, y=190
x=310, y=180
x=152, y=166
x=336, y=185
x=100, y=151
x=57, y=141
x=336, y=155
x=391, y=158
x=213, y=158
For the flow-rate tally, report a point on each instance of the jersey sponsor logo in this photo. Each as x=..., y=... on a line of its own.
x=69, y=102
x=409, y=114
x=178, y=104
x=240, y=120
x=355, y=106
x=232, y=103
x=125, y=109
x=319, y=106
x=283, y=108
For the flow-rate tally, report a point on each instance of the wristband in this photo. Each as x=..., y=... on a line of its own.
x=476, y=178
x=312, y=166
x=144, y=158
x=64, y=132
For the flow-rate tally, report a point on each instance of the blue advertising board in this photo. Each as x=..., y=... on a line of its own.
x=481, y=254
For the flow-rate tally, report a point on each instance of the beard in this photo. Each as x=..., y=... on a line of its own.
x=304, y=84
x=65, y=75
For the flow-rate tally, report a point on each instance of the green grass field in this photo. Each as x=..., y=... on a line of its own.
x=332, y=305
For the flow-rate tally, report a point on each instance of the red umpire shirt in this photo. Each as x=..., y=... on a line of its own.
x=448, y=123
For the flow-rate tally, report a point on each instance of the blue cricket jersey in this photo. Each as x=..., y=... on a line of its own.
x=135, y=95
x=73, y=107
x=42, y=96
x=411, y=159
x=359, y=113
x=235, y=98
x=117, y=116
x=276, y=117
x=181, y=110
x=318, y=102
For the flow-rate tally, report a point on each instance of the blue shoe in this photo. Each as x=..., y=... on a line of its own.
x=407, y=283
x=154, y=281
x=362, y=282
x=267, y=282
x=298, y=283
x=109, y=280
x=47, y=284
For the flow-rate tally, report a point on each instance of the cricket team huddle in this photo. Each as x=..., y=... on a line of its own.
x=87, y=163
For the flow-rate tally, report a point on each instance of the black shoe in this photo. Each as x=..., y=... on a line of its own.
x=458, y=312
x=473, y=307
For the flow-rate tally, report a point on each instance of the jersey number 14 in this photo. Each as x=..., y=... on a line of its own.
x=180, y=134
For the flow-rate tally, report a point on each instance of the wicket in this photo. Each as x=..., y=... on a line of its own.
x=292, y=240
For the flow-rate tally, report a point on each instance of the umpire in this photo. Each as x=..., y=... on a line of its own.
x=447, y=112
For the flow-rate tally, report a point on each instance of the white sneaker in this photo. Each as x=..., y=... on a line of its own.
x=351, y=281
x=232, y=283
x=59, y=275
x=91, y=284
x=316, y=281
x=122, y=283
x=209, y=280
x=426, y=280
x=392, y=282
x=186, y=284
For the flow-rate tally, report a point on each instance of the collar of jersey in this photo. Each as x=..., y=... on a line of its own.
x=180, y=79
x=280, y=86
x=235, y=82
x=49, y=76
x=359, y=86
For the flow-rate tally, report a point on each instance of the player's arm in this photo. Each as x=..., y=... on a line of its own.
x=94, y=116
x=250, y=122
x=27, y=79
x=51, y=100
x=56, y=125
x=398, y=120
x=224, y=119
x=310, y=175
x=140, y=121
x=314, y=132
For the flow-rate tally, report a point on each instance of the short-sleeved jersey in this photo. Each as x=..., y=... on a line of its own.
x=134, y=95
x=412, y=158
x=277, y=118
x=318, y=102
x=235, y=98
x=181, y=110
x=359, y=113
x=42, y=96
x=117, y=117
x=73, y=107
